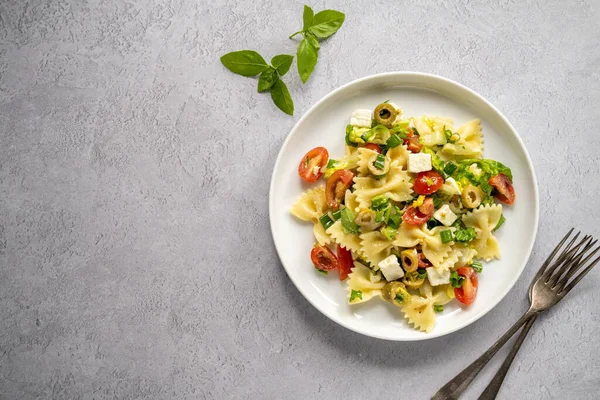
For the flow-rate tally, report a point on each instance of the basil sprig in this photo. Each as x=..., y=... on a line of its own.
x=314, y=27
x=249, y=63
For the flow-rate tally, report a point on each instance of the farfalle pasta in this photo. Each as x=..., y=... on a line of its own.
x=407, y=211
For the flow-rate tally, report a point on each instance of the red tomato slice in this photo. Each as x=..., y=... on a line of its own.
x=412, y=142
x=424, y=262
x=323, y=258
x=317, y=157
x=418, y=216
x=468, y=291
x=373, y=146
x=505, y=190
x=336, y=187
x=428, y=182
x=345, y=262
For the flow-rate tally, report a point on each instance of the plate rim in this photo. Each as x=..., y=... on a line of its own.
x=431, y=335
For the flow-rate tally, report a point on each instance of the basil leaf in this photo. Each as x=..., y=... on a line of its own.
x=282, y=63
x=325, y=23
x=307, y=17
x=313, y=40
x=244, y=62
x=281, y=97
x=306, y=58
x=267, y=79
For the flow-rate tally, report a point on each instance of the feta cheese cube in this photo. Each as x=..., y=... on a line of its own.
x=436, y=279
x=450, y=181
x=445, y=215
x=390, y=268
x=362, y=118
x=419, y=162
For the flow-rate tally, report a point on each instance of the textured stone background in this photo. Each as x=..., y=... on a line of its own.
x=135, y=252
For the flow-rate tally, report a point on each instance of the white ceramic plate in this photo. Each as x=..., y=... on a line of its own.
x=324, y=125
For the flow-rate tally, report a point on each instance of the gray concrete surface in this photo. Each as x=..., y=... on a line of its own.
x=135, y=254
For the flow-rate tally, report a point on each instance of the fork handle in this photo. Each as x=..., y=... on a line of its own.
x=491, y=391
x=460, y=382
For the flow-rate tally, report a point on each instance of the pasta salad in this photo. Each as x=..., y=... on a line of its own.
x=408, y=213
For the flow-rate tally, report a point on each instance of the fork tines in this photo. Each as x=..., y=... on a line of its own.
x=561, y=274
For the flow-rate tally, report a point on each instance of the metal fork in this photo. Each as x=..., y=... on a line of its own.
x=552, y=282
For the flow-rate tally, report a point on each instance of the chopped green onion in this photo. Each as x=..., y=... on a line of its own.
x=450, y=168
x=331, y=163
x=464, y=235
x=379, y=202
x=499, y=224
x=456, y=280
x=438, y=308
x=336, y=215
x=394, y=141
x=322, y=271
x=399, y=298
x=415, y=131
x=355, y=294
x=387, y=101
x=326, y=221
x=368, y=135
x=389, y=233
x=384, y=149
x=421, y=273
x=477, y=266
x=379, y=161
x=446, y=236
x=348, y=224
x=437, y=202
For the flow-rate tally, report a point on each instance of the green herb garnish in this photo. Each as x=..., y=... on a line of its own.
x=249, y=63
x=348, y=224
x=314, y=27
x=438, y=308
x=500, y=222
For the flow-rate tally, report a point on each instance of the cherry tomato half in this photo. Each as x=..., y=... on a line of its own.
x=310, y=166
x=420, y=215
x=412, y=142
x=505, y=190
x=374, y=147
x=345, y=262
x=336, y=187
x=428, y=182
x=323, y=258
x=468, y=291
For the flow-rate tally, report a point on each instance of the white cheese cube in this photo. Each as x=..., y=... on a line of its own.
x=419, y=162
x=445, y=215
x=390, y=268
x=436, y=279
x=450, y=181
x=362, y=118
